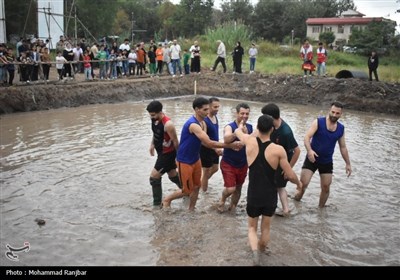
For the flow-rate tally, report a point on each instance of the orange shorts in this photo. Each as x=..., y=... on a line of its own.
x=189, y=175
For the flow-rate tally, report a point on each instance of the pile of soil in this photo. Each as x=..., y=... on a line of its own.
x=356, y=94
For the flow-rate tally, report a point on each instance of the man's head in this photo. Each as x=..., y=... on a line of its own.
x=214, y=106
x=272, y=110
x=155, y=109
x=265, y=124
x=201, y=106
x=336, y=111
x=242, y=112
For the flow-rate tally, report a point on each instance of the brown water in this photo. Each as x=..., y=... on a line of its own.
x=85, y=171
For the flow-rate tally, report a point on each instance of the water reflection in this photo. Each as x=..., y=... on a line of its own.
x=85, y=171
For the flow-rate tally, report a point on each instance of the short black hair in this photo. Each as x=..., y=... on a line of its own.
x=337, y=104
x=271, y=109
x=242, y=105
x=265, y=123
x=212, y=99
x=200, y=102
x=154, y=107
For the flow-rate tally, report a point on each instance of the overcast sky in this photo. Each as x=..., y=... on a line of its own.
x=370, y=8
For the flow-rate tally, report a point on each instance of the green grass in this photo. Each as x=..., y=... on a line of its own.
x=273, y=59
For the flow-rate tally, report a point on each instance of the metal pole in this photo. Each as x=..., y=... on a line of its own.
x=76, y=29
x=132, y=30
x=292, y=36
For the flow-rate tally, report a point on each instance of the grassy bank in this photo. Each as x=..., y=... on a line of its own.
x=273, y=59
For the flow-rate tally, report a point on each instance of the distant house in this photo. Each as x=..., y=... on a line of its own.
x=341, y=26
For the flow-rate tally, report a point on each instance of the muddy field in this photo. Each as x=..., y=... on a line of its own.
x=356, y=94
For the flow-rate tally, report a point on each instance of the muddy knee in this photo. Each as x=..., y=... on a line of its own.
x=176, y=181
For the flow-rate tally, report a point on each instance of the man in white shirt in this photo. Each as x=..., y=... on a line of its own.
x=125, y=47
x=175, y=53
x=221, y=52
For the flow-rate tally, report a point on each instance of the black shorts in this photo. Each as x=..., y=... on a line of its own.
x=165, y=162
x=280, y=182
x=254, y=212
x=322, y=168
x=208, y=157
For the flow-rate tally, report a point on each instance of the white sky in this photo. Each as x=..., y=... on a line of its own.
x=370, y=8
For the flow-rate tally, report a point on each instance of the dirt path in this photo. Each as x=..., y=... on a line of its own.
x=356, y=94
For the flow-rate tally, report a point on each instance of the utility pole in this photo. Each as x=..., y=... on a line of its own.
x=292, y=36
x=133, y=34
x=76, y=29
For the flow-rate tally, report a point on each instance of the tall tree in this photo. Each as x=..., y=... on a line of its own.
x=193, y=16
x=21, y=17
x=375, y=35
x=165, y=14
x=275, y=19
x=234, y=10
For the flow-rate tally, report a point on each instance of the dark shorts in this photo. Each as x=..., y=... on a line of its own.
x=254, y=212
x=322, y=168
x=280, y=181
x=165, y=162
x=208, y=157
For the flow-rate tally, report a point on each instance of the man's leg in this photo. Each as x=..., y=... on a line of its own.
x=284, y=200
x=225, y=194
x=305, y=178
x=174, y=178
x=157, y=190
x=265, y=233
x=235, y=198
x=223, y=64
x=253, y=239
x=326, y=180
x=206, y=175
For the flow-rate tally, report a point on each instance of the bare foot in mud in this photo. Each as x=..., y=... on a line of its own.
x=166, y=204
x=264, y=249
x=282, y=213
x=221, y=207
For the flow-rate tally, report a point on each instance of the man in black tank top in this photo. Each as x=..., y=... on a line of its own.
x=263, y=158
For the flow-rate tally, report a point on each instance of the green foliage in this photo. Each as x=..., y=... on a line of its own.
x=327, y=37
x=229, y=33
x=237, y=10
x=192, y=17
x=375, y=36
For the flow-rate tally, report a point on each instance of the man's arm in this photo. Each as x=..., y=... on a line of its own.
x=307, y=140
x=243, y=137
x=229, y=135
x=287, y=169
x=203, y=137
x=170, y=129
x=295, y=157
x=345, y=154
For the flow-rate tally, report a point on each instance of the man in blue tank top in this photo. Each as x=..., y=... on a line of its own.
x=210, y=157
x=263, y=157
x=320, y=141
x=233, y=163
x=193, y=135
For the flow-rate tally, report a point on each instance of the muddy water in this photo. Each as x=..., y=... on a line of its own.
x=85, y=172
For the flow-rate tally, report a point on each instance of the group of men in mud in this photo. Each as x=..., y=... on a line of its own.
x=268, y=153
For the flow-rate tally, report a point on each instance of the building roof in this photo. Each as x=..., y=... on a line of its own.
x=345, y=20
x=351, y=13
